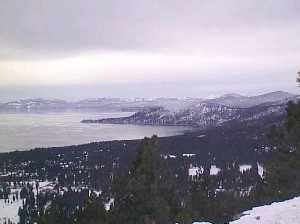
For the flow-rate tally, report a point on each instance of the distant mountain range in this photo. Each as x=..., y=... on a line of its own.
x=137, y=104
x=209, y=113
x=101, y=104
x=197, y=112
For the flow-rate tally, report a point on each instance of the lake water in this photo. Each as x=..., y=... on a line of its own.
x=27, y=131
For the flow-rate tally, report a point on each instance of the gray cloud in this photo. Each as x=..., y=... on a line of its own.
x=256, y=39
x=64, y=26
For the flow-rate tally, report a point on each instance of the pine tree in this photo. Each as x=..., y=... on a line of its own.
x=145, y=195
x=282, y=178
x=93, y=213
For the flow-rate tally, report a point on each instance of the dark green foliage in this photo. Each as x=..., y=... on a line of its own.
x=283, y=171
x=145, y=195
x=293, y=123
x=93, y=213
x=55, y=214
x=282, y=178
x=208, y=202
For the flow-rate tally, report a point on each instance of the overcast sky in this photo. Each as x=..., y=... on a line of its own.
x=147, y=48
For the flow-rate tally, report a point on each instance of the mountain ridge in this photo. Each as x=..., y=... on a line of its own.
x=240, y=101
x=136, y=104
x=203, y=115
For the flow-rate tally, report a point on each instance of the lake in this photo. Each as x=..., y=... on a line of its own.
x=26, y=131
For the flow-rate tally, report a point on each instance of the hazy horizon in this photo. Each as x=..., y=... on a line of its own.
x=74, y=99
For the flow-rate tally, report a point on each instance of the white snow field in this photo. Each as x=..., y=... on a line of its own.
x=9, y=210
x=286, y=212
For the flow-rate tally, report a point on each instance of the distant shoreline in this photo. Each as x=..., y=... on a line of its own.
x=23, y=132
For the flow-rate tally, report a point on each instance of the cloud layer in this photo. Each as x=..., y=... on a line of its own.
x=72, y=42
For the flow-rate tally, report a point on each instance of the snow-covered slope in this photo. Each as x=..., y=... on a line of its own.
x=235, y=100
x=286, y=212
x=202, y=115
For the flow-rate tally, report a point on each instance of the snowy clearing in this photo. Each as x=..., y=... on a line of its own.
x=9, y=210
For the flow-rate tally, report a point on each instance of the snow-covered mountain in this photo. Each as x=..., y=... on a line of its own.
x=34, y=104
x=235, y=100
x=201, y=115
x=117, y=104
x=209, y=113
x=174, y=105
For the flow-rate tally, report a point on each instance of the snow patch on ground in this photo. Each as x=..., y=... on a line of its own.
x=188, y=154
x=286, y=212
x=261, y=170
x=110, y=203
x=194, y=171
x=214, y=170
x=245, y=167
x=9, y=210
